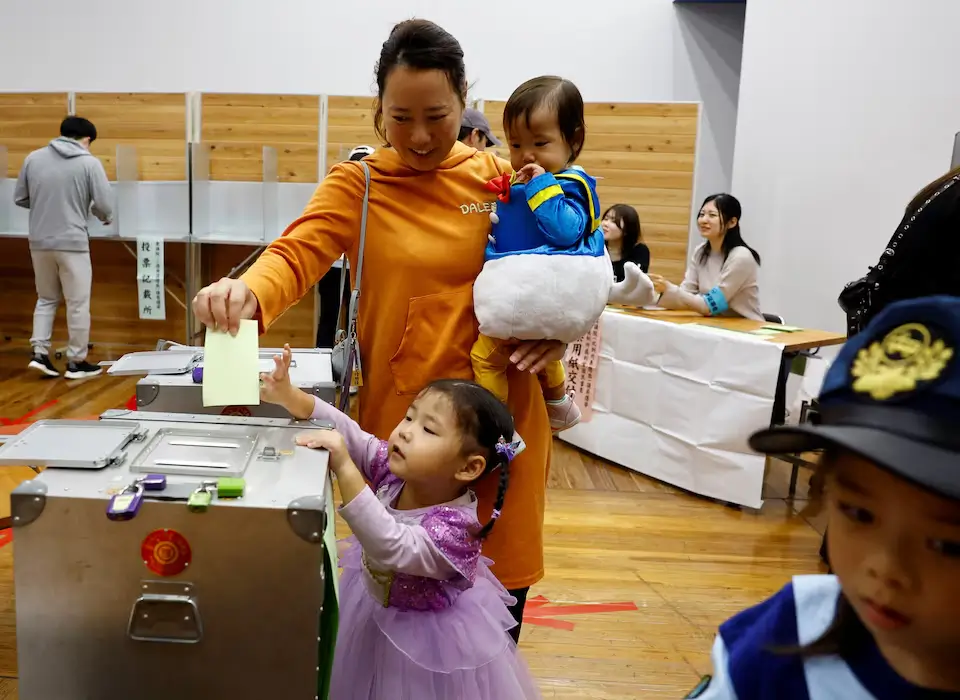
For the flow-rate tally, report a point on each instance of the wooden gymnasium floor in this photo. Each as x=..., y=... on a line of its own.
x=612, y=536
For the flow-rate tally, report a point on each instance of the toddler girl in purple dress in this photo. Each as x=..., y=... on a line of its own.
x=421, y=616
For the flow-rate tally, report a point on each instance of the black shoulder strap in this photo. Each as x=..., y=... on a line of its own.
x=895, y=245
x=344, y=321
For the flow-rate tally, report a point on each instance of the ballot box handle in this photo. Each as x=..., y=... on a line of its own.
x=165, y=612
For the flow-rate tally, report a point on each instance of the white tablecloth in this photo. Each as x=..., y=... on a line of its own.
x=678, y=402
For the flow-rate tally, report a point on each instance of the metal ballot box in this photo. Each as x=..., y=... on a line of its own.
x=148, y=591
x=171, y=387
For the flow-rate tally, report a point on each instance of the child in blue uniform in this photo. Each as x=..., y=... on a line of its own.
x=887, y=625
x=547, y=274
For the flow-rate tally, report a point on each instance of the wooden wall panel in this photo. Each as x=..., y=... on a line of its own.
x=349, y=124
x=644, y=154
x=29, y=121
x=237, y=127
x=113, y=306
x=114, y=314
x=296, y=326
x=154, y=123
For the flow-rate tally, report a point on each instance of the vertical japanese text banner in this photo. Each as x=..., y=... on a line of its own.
x=582, y=361
x=150, y=293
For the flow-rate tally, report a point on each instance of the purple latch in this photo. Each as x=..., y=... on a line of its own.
x=153, y=482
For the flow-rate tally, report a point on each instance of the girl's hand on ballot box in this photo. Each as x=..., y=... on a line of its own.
x=276, y=388
x=348, y=475
x=331, y=441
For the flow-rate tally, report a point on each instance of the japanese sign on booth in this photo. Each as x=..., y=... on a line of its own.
x=582, y=360
x=150, y=293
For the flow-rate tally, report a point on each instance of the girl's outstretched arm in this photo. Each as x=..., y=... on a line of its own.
x=366, y=450
x=439, y=547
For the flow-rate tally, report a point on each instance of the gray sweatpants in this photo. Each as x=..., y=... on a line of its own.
x=60, y=275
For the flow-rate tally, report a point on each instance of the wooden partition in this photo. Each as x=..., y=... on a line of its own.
x=154, y=123
x=113, y=308
x=644, y=154
x=296, y=326
x=114, y=316
x=237, y=127
x=29, y=121
x=349, y=124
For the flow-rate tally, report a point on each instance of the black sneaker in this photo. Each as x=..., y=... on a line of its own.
x=42, y=364
x=81, y=370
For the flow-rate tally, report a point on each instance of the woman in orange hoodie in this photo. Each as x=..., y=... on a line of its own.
x=427, y=226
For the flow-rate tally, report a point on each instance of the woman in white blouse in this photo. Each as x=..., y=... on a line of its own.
x=721, y=278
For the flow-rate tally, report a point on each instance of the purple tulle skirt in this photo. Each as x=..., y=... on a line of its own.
x=460, y=653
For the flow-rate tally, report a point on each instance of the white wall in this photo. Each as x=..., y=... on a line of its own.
x=847, y=109
x=707, y=54
x=622, y=48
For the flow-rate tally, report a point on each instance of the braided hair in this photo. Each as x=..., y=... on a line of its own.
x=487, y=428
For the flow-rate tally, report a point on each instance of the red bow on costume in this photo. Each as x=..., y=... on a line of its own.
x=500, y=185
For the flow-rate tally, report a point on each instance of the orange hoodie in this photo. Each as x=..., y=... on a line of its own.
x=426, y=234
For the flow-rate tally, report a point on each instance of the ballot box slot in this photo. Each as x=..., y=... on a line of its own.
x=196, y=452
x=191, y=463
x=201, y=443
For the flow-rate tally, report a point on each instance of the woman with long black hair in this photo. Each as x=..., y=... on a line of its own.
x=621, y=235
x=721, y=279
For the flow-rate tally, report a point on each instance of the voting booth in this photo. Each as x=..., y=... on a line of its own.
x=166, y=555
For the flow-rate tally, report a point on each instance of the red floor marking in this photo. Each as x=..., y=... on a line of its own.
x=539, y=610
x=27, y=416
x=546, y=622
x=586, y=609
x=6, y=537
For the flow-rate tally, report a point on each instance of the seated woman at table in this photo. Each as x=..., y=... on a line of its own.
x=621, y=235
x=721, y=278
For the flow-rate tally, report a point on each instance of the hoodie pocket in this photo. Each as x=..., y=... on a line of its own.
x=439, y=333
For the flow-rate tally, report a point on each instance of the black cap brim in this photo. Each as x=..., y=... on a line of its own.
x=494, y=141
x=929, y=466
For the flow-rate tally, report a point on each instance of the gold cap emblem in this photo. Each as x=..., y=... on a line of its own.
x=909, y=357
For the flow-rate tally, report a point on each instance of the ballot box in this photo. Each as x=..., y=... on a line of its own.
x=165, y=556
x=174, y=376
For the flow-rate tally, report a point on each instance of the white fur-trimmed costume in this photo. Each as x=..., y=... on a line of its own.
x=547, y=273
x=546, y=276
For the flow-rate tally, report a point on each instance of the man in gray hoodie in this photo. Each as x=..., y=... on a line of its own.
x=61, y=184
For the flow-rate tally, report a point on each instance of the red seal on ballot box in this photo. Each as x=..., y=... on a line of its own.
x=236, y=411
x=166, y=552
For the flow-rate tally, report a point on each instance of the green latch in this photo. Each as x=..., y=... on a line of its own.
x=230, y=487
